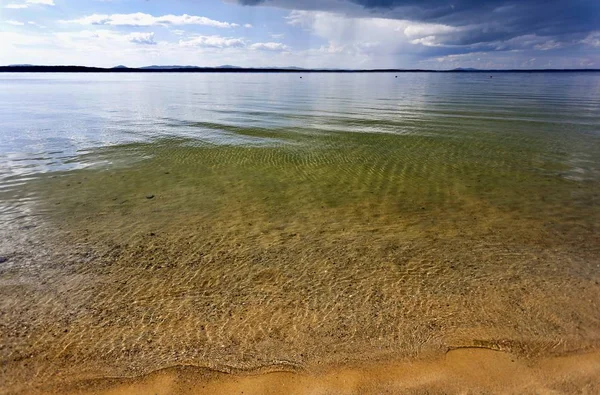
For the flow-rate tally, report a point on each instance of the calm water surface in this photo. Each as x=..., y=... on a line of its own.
x=263, y=221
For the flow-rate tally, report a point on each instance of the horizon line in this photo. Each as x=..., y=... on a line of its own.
x=233, y=69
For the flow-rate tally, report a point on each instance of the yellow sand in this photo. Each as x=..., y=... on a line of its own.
x=460, y=371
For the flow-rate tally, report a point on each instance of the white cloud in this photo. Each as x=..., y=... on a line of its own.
x=231, y=42
x=593, y=39
x=33, y=23
x=526, y=42
x=142, y=38
x=141, y=19
x=429, y=41
x=14, y=23
x=548, y=45
x=28, y=3
x=213, y=42
x=301, y=18
x=429, y=29
x=100, y=40
x=276, y=47
x=247, y=25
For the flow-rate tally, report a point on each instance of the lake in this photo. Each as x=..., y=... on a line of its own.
x=267, y=222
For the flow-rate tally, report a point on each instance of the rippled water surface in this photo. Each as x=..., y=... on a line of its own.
x=263, y=221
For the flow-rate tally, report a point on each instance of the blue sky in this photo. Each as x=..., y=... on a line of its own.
x=436, y=34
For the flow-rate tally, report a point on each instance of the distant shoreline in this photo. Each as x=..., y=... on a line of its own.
x=84, y=69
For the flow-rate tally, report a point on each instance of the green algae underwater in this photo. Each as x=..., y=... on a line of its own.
x=288, y=247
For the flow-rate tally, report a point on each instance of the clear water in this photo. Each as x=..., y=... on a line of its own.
x=253, y=221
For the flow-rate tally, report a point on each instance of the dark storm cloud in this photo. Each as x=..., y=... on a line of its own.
x=490, y=22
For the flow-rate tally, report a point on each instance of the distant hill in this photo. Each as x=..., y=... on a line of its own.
x=465, y=69
x=179, y=67
x=225, y=66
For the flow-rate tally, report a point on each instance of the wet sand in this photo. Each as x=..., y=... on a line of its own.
x=468, y=370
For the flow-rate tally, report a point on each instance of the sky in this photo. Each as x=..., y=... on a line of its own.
x=429, y=34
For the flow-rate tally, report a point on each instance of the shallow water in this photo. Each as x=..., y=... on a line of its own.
x=260, y=221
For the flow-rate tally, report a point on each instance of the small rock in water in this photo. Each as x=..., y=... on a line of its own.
x=149, y=196
x=3, y=259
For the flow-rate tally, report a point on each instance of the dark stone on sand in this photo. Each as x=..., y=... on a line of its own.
x=3, y=259
x=149, y=196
